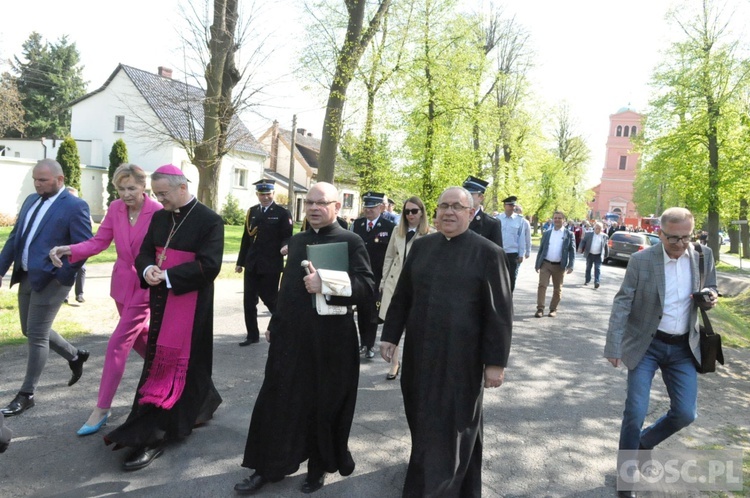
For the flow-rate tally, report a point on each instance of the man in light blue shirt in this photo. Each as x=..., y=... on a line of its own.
x=514, y=240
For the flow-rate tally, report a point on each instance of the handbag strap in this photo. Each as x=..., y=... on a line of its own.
x=701, y=270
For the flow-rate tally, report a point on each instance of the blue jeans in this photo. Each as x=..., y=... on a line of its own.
x=680, y=378
x=596, y=261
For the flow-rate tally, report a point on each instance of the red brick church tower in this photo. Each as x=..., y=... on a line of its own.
x=615, y=192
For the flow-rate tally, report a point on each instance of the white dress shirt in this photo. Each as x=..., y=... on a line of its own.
x=678, y=287
x=35, y=226
x=554, y=249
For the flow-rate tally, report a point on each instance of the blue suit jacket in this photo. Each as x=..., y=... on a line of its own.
x=67, y=221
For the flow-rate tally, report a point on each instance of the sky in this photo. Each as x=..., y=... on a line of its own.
x=596, y=56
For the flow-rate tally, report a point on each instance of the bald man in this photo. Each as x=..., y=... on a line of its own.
x=48, y=218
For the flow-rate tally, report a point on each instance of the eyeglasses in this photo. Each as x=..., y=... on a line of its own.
x=320, y=204
x=412, y=211
x=162, y=195
x=456, y=207
x=673, y=239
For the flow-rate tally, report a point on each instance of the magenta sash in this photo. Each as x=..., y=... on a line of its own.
x=168, y=371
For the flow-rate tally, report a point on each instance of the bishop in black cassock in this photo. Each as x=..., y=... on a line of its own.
x=193, y=231
x=454, y=300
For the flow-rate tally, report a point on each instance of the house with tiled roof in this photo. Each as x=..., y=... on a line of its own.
x=156, y=116
x=278, y=144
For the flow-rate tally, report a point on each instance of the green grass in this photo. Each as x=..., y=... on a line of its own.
x=232, y=239
x=730, y=319
x=10, y=326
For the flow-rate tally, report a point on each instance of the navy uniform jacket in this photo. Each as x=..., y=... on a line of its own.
x=264, y=236
x=488, y=227
x=376, y=241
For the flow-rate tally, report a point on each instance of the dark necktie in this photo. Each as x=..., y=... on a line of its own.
x=369, y=226
x=410, y=235
x=27, y=230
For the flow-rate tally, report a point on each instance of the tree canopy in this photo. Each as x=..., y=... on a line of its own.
x=48, y=78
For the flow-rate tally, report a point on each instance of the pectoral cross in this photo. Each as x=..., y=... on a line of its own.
x=161, y=257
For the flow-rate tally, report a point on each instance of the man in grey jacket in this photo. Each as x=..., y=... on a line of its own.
x=654, y=324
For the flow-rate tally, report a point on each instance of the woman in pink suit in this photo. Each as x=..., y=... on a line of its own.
x=126, y=222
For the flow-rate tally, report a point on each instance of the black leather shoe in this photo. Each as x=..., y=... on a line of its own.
x=626, y=494
x=250, y=485
x=312, y=484
x=142, y=457
x=77, y=366
x=20, y=404
x=247, y=342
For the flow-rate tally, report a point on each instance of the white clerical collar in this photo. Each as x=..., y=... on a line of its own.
x=188, y=202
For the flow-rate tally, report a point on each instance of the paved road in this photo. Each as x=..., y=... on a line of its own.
x=551, y=430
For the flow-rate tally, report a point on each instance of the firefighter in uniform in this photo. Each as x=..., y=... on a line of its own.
x=268, y=228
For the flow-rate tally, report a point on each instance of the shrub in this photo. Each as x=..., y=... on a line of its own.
x=231, y=212
x=67, y=156
x=117, y=156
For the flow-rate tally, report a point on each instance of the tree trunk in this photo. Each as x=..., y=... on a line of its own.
x=221, y=78
x=713, y=178
x=347, y=61
x=744, y=235
x=208, y=183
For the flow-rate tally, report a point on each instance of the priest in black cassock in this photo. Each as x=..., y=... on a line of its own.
x=305, y=407
x=179, y=259
x=454, y=300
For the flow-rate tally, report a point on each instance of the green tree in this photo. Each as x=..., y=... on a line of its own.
x=357, y=37
x=117, y=155
x=48, y=77
x=231, y=212
x=690, y=129
x=67, y=156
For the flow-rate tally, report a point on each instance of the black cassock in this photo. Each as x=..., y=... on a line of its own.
x=201, y=233
x=454, y=299
x=306, y=405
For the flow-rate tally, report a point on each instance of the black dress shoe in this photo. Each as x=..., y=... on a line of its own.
x=142, y=457
x=247, y=342
x=20, y=404
x=250, y=485
x=312, y=483
x=76, y=366
x=626, y=494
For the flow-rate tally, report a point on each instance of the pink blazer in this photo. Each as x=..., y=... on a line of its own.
x=125, y=286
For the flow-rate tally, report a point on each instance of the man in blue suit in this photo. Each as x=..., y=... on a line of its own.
x=51, y=217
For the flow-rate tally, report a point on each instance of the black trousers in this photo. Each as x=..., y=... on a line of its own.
x=80, y=280
x=367, y=321
x=263, y=286
x=513, y=265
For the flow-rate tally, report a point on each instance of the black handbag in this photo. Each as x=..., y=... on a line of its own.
x=710, y=341
x=710, y=346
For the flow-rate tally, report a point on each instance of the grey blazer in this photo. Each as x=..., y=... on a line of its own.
x=638, y=305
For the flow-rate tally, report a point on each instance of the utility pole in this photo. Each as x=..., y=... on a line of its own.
x=292, y=200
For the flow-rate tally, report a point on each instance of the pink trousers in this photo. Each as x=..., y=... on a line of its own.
x=131, y=333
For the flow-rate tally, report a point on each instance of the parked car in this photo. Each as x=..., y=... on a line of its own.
x=623, y=244
x=653, y=238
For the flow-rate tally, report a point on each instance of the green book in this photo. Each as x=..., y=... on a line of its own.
x=333, y=256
